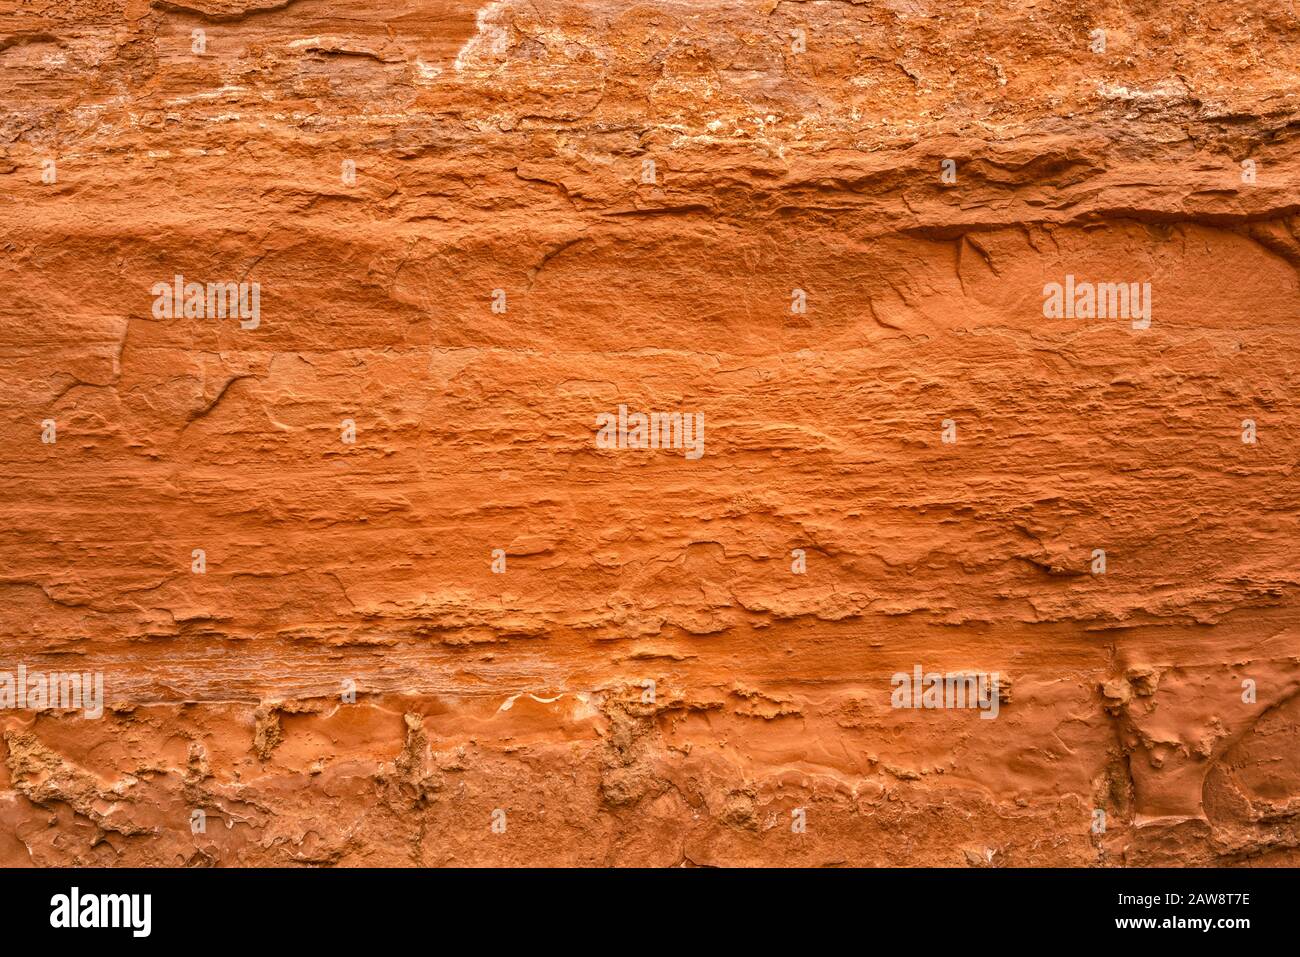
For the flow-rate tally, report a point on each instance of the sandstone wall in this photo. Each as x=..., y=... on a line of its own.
x=650, y=682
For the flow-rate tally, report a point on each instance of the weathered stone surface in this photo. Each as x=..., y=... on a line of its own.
x=796, y=146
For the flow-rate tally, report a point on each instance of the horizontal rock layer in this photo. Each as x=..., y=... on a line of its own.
x=826, y=227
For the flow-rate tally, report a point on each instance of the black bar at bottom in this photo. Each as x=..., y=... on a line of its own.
x=453, y=909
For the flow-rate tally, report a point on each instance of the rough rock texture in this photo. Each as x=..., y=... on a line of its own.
x=508, y=718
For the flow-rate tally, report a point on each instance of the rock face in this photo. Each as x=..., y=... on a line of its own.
x=367, y=573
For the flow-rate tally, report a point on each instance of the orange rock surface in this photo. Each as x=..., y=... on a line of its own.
x=472, y=634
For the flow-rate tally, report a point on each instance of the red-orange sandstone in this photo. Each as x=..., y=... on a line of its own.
x=475, y=227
